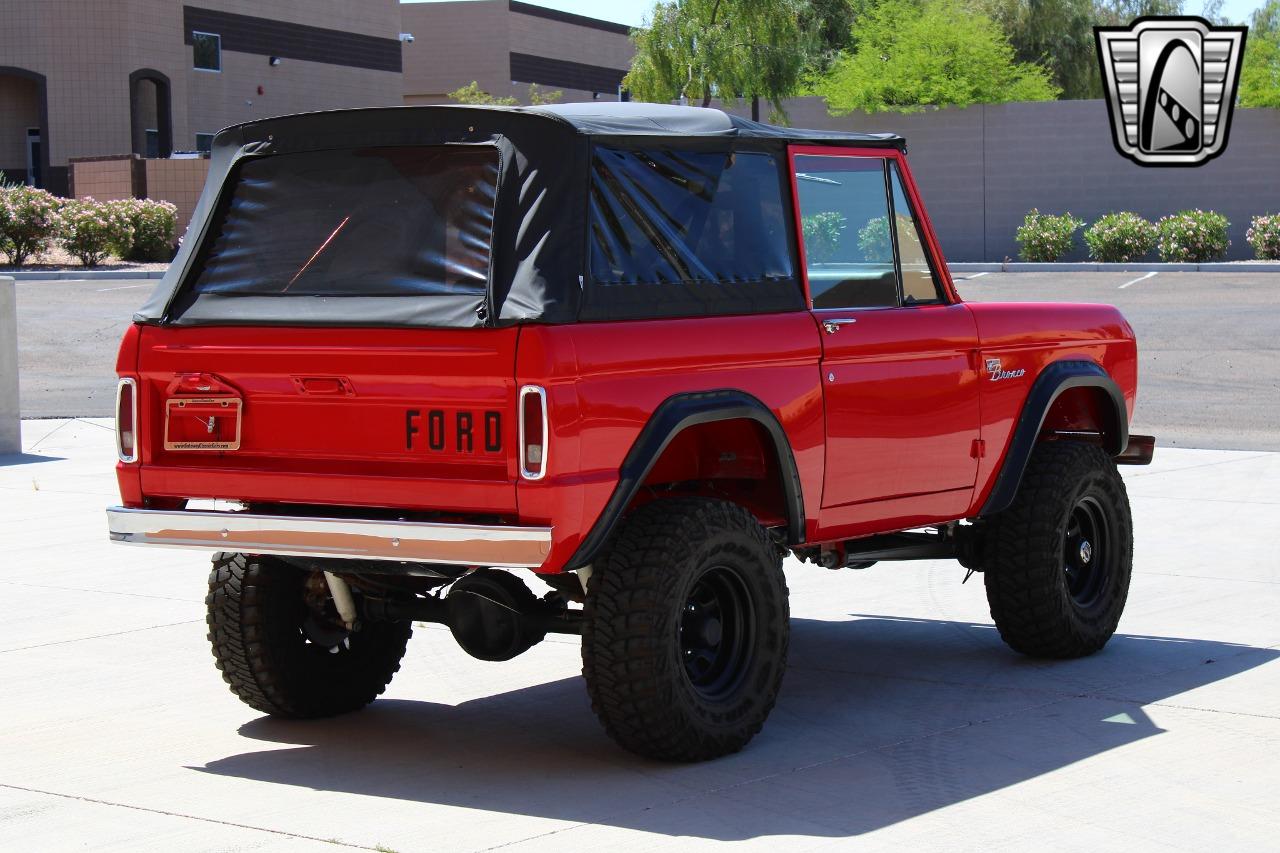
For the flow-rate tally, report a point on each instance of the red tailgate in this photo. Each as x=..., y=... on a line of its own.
x=420, y=419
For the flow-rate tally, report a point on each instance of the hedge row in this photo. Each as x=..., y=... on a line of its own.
x=32, y=221
x=1192, y=236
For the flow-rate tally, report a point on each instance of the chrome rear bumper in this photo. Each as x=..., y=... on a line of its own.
x=406, y=541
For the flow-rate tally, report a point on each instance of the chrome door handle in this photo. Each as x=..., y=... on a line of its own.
x=833, y=326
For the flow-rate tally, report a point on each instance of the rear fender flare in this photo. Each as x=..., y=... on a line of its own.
x=674, y=415
x=1055, y=379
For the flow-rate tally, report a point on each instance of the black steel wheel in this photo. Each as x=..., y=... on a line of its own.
x=685, y=630
x=280, y=647
x=1086, y=552
x=1057, y=562
x=717, y=633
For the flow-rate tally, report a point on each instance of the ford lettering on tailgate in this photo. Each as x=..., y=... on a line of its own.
x=453, y=431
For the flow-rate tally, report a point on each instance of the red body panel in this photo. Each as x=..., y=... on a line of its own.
x=886, y=419
x=328, y=413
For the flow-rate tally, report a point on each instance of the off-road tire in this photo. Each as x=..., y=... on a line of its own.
x=634, y=641
x=1026, y=565
x=256, y=610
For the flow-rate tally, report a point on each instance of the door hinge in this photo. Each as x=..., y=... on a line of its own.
x=979, y=449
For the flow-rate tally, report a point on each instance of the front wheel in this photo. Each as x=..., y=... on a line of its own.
x=280, y=647
x=1057, y=562
x=686, y=629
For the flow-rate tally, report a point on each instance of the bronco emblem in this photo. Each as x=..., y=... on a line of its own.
x=995, y=368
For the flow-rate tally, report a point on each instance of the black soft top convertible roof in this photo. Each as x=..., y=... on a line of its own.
x=538, y=269
x=610, y=118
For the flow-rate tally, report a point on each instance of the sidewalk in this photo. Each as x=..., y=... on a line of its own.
x=903, y=722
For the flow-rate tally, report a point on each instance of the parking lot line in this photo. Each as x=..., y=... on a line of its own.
x=1138, y=279
x=125, y=287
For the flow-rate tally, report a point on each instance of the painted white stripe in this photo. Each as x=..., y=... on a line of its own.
x=1138, y=279
x=123, y=287
x=975, y=275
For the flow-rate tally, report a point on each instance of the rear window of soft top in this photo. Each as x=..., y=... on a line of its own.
x=390, y=221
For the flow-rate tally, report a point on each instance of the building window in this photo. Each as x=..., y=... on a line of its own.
x=207, y=50
x=153, y=142
x=204, y=142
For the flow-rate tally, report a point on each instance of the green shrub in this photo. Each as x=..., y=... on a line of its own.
x=28, y=221
x=88, y=229
x=822, y=235
x=1264, y=236
x=1046, y=238
x=875, y=242
x=151, y=229
x=1120, y=237
x=1193, y=236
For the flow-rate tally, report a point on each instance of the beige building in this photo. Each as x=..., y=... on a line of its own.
x=106, y=79
x=90, y=78
x=504, y=45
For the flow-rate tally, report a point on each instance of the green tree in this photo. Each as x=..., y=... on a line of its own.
x=1260, y=73
x=697, y=50
x=1057, y=34
x=473, y=95
x=939, y=54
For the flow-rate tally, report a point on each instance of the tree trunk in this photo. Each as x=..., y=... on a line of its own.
x=755, y=107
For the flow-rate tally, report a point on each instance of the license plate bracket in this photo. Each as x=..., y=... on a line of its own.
x=202, y=423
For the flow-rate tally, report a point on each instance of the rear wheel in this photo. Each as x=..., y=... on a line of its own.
x=280, y=647
x=686, y=628
x=1057, y=562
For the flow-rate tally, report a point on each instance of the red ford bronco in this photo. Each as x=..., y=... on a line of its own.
x=643, y=351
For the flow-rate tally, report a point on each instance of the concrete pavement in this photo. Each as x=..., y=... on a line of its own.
x=903, y=722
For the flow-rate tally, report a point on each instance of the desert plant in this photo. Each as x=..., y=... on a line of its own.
x=88, y=229
x=152, y=226
x=1046, y=238
x=1120, y=237
x=1193, y=236
x=1264, y=236
x=822, y=235
x=28, y=221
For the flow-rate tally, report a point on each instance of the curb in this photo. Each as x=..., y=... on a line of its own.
x=1217, y=266
x=84, y=275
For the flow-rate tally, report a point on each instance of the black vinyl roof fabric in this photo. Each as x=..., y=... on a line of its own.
x=610, y=118
x=539, y=236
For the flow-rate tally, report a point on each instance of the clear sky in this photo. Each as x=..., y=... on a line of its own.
x=633, y=12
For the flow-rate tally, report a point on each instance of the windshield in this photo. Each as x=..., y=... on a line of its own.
x=394, y=221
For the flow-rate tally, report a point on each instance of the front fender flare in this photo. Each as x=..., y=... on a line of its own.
x=674, y=415
x=1049, y=385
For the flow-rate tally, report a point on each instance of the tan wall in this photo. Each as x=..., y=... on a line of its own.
x=19, y=110
x=103, y=180
x=455, y=43
x=559, y=40
x=179, y=182
x=215, y=101
x=87, y=49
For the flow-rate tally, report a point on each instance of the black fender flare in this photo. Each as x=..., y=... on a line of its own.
x=1058, y=377
x=674, y=415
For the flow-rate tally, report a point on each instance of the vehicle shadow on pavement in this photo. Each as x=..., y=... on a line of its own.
x=7, y=459
x=880, y=720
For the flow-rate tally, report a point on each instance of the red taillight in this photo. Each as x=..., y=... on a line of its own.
x=127, y=420
x=533, y=432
